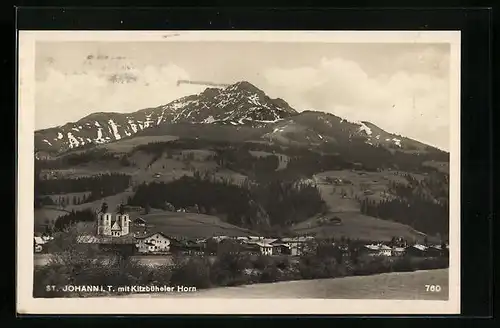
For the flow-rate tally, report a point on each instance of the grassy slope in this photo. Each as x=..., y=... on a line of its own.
x=354, y=224
x=49, y=213
x=126, y=145
x=171, y=223
x=192, y=225
x=443, y=167
x=53, y=212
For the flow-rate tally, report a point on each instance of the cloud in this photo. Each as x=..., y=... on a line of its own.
x=74, y=86
x=412, y=104
x=63, y=97
x=434, y=60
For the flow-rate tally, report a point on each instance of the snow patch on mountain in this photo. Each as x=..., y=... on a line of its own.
x=254, y=99
x=269, y=121
x=160, y=118
x=114, y=129
x=209, y=120
x=364, y=128
x=73, y=142
x=133, y=126
x=100, y=138
x=397, y=141
x=148, y=121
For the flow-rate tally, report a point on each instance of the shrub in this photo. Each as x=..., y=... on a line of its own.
x=262, y=262
x=228, y=269
x=50, y=275
x=222, y=276
x=192, y=272
x=283, y=263
x=404, y=264
x=311, y=267
x=271, y=274
x=372, y=265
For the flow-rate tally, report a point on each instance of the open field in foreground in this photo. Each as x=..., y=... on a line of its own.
x=394, y=286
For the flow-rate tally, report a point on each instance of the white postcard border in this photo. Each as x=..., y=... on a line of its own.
x=26, y=304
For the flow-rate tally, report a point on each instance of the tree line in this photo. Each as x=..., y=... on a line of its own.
x=66, y=200
x=423, y=205
x=328, y=156
x=73, y=217
x=249, y=205
x=418, y=213
x=84, y=157
x=303, y=161
x=99, y=185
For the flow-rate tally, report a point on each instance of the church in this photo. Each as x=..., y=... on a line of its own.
x=113, y=233
x=114, y=226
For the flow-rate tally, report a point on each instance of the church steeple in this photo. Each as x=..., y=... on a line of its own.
x=112, y=225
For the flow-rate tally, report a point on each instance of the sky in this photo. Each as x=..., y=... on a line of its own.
x=402, y=88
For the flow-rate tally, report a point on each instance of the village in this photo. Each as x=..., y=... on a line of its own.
x=136, y=237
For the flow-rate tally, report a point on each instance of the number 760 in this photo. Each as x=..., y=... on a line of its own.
x=432, y=288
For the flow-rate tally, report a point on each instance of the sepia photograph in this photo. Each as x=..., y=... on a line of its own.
x=295, y=172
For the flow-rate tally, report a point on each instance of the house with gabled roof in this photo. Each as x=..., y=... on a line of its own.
x=417, y=250
x=265, y=248
x=281, y=248
x=39, y=240
x=435, y=250
x=187, y=246
x=139, y=222
x=298, y=245
x=398, y=251
x=376, y=250
x=385, y=250
x=156, y=242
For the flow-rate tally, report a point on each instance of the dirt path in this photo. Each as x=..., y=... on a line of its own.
x=395, y=286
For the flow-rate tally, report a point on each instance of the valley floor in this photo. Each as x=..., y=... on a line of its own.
x=393, y=286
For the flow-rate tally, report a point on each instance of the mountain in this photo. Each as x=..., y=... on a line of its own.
x=238, y=104
x=225, y=148
x=311, y=127
x=241, y=106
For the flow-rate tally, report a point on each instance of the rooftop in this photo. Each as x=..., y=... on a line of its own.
x=420, y=247
x=92, y=239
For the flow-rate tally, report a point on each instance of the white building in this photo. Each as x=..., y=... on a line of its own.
x=39, y=240
x=153, y=243
x=265, y=249
x=298, y=245
x=398, y=251
x=378, y=250
x=385, y=250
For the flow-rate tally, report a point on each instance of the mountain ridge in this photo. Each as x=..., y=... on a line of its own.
x=240, y=104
